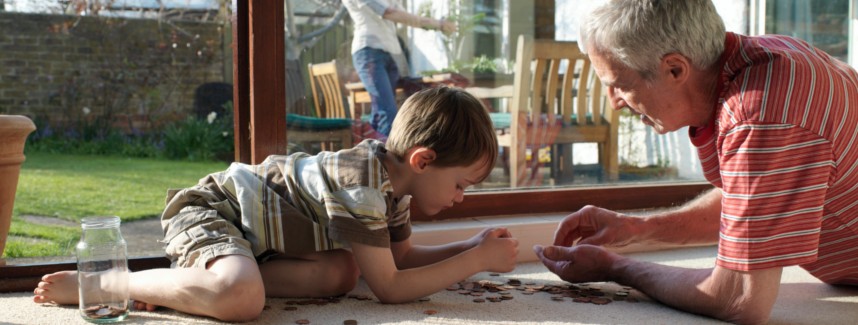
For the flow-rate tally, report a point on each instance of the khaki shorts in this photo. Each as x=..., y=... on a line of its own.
x=198, y=235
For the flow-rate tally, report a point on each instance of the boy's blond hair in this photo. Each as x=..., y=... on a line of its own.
x=448, y=120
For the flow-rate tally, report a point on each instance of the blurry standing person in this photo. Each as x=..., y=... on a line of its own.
x=377, y=55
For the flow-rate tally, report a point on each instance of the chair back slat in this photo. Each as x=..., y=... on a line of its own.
x=562, y=82
x=327, y=93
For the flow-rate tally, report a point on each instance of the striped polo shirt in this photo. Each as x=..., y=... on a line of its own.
x=783, y=148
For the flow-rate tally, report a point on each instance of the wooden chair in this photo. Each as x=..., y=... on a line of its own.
x=325, y=79
x=331, y=127
x=557, y=101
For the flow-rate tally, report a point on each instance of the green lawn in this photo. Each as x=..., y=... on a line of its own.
x=71, y=187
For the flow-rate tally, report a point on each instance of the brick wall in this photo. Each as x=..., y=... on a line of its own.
x=62, y=70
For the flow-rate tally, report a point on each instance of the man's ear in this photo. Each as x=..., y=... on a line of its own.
x=420, y=158
x=676, y=66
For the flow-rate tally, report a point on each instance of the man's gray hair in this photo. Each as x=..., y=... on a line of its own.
x=638, y=33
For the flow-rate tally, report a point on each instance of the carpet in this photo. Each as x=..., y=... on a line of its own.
x=802, y=300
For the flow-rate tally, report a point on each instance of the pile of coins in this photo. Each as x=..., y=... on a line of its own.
x=485, y=290
x=496, y=291
x=103, y=311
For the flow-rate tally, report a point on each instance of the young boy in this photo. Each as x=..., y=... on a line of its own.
x=308, y=226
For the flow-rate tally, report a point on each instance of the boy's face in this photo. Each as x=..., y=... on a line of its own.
x=438, y=188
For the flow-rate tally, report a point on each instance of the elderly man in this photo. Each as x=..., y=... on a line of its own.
x=773, y=120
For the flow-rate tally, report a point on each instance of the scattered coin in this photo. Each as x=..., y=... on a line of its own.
x=302, y=321
x=600, y=301
x=290, y=308
x=494, y=274
x=479, y=300
x=350, y=322
x=430, y=312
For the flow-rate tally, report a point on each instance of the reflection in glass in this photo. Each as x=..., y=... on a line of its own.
x=130, y=79
x=823, y=24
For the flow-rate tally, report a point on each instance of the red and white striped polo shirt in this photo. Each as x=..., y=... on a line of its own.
x=783, y=148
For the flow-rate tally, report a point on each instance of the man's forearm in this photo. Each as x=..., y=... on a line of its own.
x=696, y=222
x=739, y=297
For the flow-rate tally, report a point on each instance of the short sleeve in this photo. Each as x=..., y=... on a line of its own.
x=358, y=214
x=377, y=6
x=400, y=221
x=775, y=178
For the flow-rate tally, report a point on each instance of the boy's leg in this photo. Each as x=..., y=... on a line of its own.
x=230, y=289
x=320, y=274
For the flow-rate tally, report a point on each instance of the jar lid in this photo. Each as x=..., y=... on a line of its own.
x=99, y=222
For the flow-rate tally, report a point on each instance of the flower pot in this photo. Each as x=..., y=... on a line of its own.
x=14, y=130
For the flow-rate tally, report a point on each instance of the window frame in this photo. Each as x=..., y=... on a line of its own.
x=260, y=130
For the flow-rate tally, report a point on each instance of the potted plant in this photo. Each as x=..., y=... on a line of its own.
x=14, y=130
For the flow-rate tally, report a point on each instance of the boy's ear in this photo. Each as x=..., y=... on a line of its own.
x=420, y=158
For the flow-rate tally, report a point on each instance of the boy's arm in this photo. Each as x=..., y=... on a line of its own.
x=408, y=256
x=391, y=285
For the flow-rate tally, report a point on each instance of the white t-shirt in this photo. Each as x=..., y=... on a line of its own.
x=371, y=30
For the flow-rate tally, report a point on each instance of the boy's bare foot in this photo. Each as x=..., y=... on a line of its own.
x=59, y=288
x=139, y=305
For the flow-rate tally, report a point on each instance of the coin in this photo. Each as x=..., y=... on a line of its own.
x=350, y=322
x=290, y=308
x=302, y=321
x=600, y=301
x=430, y=312
x=479, y=300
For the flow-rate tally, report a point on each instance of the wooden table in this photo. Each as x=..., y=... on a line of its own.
x=357, y=94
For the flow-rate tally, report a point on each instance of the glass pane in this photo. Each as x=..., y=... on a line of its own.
x=822, y=23
x=482, y=53
x=123, y=94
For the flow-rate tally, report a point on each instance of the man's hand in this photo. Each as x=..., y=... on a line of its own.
x=581, y=263
x=596, y=226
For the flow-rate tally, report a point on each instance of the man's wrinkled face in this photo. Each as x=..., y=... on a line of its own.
x=649, y=99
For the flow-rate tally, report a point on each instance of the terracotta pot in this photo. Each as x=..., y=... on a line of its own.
x=14, y=130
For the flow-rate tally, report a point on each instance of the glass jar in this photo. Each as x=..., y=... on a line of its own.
x=102, y=265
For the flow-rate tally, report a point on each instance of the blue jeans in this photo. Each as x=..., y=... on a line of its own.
x=378, y=73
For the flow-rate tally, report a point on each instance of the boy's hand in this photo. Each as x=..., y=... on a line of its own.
x=478, y=238
x=498, y=249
